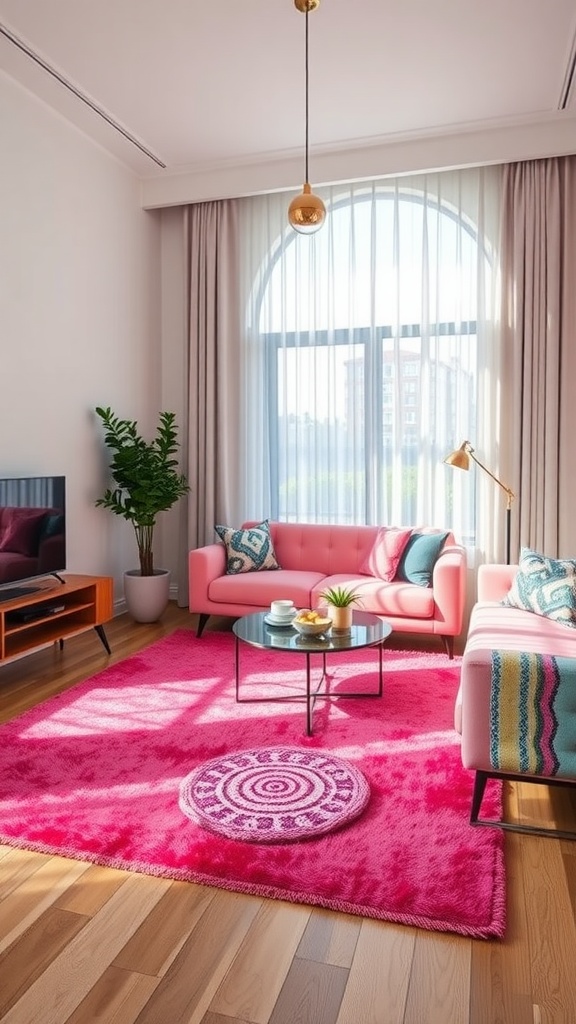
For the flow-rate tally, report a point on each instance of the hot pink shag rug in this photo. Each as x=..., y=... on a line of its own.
x=95, y=773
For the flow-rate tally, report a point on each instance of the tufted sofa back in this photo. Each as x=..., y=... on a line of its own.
x=328, y=549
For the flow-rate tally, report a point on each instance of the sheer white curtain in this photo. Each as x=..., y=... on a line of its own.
x=369, y=353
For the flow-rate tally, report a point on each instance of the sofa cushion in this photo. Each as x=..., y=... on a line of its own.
x=382, y=560
x=259, y=589
x=546, y=586
x=23, y=532
x=420, y=556
x=398, y=600
x=248, y=550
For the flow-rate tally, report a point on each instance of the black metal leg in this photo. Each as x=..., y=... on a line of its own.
x=236, y=669
x=479, y=787
x=309, y=699
x=312, y=691
x=103, y=637
x=202, y=620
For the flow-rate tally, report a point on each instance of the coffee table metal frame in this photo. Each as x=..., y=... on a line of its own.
x=367, y=631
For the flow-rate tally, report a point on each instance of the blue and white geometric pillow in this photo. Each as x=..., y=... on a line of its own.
x=546, y=586
x=248, y=550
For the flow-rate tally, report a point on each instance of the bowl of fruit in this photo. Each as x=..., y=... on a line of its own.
x=311, y=623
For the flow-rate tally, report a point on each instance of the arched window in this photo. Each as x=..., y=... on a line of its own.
x=366, y=348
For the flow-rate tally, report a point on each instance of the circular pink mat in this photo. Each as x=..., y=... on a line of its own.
x=274, y=794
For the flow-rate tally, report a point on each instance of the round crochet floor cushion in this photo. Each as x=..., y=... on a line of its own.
x=274, y=794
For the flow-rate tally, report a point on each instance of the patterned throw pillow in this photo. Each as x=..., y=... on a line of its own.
x=248, y=550
x=546, y=586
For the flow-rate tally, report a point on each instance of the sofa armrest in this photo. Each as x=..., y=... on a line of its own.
x=494, y=581
x=449, y=586
x=204, y=565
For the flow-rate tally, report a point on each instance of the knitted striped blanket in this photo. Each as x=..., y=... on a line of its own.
x=533, y=714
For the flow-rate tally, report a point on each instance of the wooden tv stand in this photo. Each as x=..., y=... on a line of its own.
x=54, y=611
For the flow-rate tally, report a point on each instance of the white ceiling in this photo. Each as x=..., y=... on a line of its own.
x=207, y=85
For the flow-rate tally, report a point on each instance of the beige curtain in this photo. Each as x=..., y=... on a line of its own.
x=539, y=366
x=213, y=369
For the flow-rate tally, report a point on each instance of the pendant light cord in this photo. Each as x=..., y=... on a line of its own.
x=306, y=118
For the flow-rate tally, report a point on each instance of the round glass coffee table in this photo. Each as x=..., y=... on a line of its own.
x=367, y=631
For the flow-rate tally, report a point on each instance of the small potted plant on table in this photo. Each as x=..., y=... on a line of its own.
x=147, y=482
x=340, y=601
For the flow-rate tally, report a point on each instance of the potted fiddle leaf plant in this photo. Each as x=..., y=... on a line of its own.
x=146, y=482
x=340, y=601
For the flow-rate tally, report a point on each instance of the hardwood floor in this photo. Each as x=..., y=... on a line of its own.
x=82, y=943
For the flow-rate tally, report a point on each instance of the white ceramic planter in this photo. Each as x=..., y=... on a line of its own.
x=146, y=596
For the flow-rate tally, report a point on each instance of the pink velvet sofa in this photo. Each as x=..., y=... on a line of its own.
x=494, y=627
x=314, y=557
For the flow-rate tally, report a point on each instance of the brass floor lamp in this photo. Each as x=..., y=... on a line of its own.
x=461, y=460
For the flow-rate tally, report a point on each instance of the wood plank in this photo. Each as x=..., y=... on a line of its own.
x=440, y=980
x=158, y=940
x=88, y=894
x=217, y=1018
x=252, y=984
x=330, y=938
x=551, y=931
x=187, y=988
x=55, y=995
x=311, y=994
x=27, y=958
x=116, y=998
x=16, y=866
x=500, y=988
x=379, y=976
x=38, y=892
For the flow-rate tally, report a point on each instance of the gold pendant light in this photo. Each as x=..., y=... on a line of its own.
x=306, y=212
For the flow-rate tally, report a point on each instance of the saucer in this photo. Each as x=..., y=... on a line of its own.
x=271, y=620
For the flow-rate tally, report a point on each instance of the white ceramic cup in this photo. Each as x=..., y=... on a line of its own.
x=281, y=609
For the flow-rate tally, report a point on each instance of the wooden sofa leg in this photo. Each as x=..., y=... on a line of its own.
x=202, y=620
x=477, y=796
x=448, y=642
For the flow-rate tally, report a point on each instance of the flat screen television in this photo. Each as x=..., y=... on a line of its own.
x=32, y=532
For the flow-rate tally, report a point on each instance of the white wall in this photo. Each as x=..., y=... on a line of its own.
x=79, y=316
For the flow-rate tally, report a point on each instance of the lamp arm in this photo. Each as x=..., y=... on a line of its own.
x=509, y=494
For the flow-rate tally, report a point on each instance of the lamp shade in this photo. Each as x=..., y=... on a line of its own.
x=459, y=458
x=306, y=212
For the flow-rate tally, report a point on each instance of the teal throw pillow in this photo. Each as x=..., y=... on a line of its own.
x=546, y=586
x=249, y=550
x=419, y=558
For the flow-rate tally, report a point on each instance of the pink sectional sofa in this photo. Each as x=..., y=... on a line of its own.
x=494, y=627
x=313, y=557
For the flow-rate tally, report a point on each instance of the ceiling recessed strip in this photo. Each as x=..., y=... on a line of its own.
x=79, y=95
